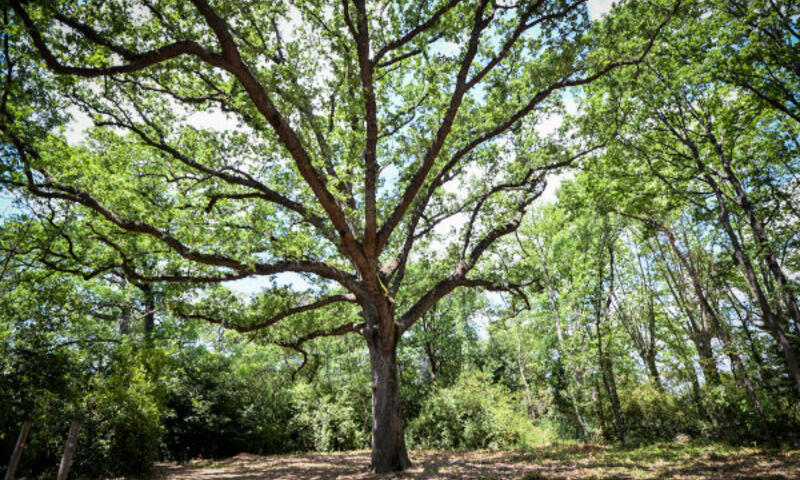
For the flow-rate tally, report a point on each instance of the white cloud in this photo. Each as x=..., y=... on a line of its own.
x=256, y=284
x=598, y=8
x=550, y=123
x=553, y=183
x=75, y=131
x=212, y=120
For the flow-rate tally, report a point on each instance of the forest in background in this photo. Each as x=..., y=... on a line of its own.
x=655, y=299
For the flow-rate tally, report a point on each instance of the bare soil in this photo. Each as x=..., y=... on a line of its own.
x=555, y=462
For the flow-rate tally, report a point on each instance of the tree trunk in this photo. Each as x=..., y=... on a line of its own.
x=149, y=314
x=150, y=310
x=680, y=348
x=652, y=369
x=124, y=320
x=388, y=442
x=521, y=364
x=610, y=384
x=542, y=253
x=760, y=235
x=769, y=319
x=768, y=315
x=429, y=350
x=699, y=334
x=17, y=454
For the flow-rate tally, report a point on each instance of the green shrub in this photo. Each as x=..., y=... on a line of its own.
x=651, y=415
x=122, y=429
x=474, y=413
x=327, y=423
x=218, y=406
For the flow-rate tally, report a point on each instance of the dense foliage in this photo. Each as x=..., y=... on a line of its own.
x=653, y=298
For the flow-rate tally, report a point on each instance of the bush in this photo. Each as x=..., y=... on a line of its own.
x=109, y=391
x=327, y=423
x=217, y=406
x=474, y=413
x=652, y=416
x=123, y=426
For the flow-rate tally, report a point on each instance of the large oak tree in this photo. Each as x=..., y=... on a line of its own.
x=363, y=130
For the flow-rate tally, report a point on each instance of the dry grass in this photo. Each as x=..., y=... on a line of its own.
x=666, y=461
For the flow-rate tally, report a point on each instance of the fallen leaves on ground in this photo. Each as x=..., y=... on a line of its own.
x=574, y=461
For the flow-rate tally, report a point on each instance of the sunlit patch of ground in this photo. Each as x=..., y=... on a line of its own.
x=665, y=461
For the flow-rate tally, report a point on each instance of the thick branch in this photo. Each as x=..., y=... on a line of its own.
x=274, y=319
x=69, y=193
x=458, y=276
x=418, y=180
x=230, y=61
x=136, y=61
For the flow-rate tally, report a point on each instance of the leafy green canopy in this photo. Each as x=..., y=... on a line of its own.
x=362, y=129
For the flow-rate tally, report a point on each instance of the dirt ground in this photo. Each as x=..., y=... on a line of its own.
x=556, y=462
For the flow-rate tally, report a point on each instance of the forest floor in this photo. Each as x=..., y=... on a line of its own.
x=662, y=461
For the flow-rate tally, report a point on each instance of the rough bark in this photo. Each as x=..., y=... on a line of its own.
x=389, y=452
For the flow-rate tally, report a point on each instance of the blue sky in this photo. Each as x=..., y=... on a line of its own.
x=6, y=201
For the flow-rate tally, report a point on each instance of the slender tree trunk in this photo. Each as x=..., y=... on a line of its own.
x=17, y=454
x=551, y=296
x=744, y=318
x=721, y=327
x=578, y=374
x=578, y=417
x=521, y=364
x=388, y=442
x=680, y=348
x=738, y=366
x=649, y=346
x=599, y=410
x=653, y=369
x=610, y=384
x=150, y=309
x=769, y=318
x=124, y=320
x=429, y=351
x=604, y=357
x=149, y=314
x=698, y=334
x=762, y=239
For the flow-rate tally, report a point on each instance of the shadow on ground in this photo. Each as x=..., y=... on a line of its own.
x=553, y=463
